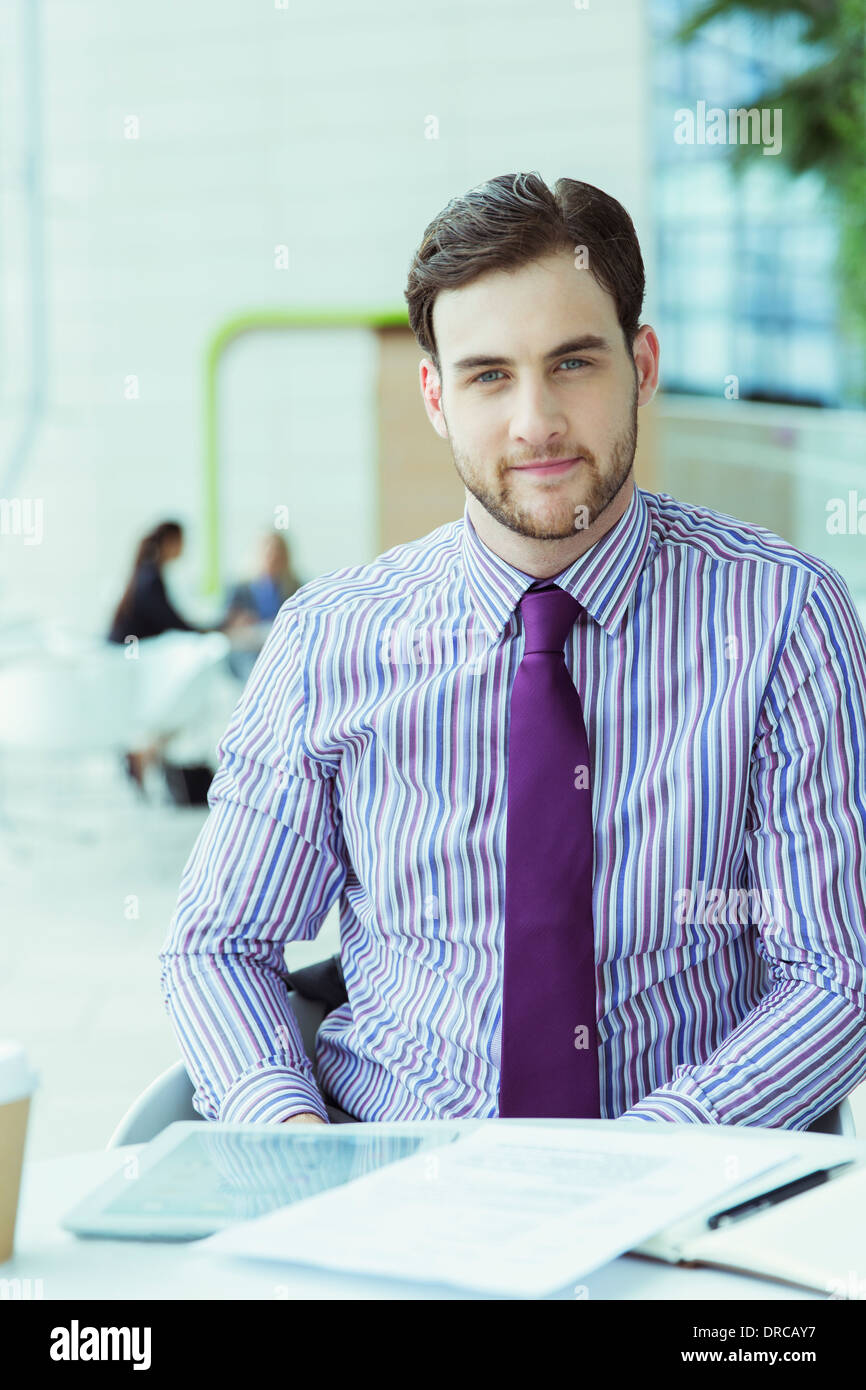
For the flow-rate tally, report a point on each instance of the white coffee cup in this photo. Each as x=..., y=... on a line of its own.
x=18, y=1081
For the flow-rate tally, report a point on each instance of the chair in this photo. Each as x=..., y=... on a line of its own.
x=838, y=1120
x=316, y=990
x=63, y=701
x=67, y=696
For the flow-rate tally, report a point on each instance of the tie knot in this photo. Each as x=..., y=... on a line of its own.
x=549, y=613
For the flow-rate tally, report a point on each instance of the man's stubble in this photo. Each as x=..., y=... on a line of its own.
x=592, y=489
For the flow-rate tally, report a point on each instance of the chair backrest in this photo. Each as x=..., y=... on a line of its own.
x=309, y=1013
x=838, y=1120
x=77, y=702
x=169, y=1096
x=316, y=990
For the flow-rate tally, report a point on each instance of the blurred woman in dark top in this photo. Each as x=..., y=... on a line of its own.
x=145, y=609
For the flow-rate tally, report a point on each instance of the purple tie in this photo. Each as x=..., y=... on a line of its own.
x=549, y=1061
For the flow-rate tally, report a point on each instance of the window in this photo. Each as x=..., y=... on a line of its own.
x=745, y=275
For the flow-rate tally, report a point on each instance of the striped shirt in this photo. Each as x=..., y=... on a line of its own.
x=723, y=680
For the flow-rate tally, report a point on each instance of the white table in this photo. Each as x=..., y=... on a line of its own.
x=69, y=1267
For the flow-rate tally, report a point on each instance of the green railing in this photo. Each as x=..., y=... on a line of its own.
x=258, y=321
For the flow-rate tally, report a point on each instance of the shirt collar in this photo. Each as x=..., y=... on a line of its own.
x=602, y=578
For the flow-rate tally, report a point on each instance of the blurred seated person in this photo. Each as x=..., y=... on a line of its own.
x=145, y=610
x=252, y=606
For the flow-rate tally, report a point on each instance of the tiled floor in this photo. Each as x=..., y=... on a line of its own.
x=79, y=974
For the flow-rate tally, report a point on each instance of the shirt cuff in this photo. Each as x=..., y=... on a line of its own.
x=678, y=1109
x=271, y=1094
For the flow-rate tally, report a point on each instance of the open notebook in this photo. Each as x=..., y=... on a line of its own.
x=815, y=1239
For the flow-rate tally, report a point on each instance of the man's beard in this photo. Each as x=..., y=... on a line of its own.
x=579, y=502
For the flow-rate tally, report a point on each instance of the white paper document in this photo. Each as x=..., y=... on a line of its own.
x=511, y=1209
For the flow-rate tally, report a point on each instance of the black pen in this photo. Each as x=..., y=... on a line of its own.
x=778, y=1194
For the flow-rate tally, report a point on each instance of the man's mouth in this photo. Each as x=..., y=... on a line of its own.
x=549, y=467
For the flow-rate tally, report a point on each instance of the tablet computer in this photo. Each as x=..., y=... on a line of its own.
x=197, y=1177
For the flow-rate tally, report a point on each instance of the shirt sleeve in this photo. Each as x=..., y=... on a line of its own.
x=266, y=867
x=802, y=1049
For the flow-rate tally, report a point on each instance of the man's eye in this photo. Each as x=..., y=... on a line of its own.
x=494, y=371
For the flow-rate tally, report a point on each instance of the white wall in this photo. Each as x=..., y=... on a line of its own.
x=283, y=444
x=259, y=126
x=778, y=465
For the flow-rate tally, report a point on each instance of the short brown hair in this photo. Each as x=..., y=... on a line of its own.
x=512, y=220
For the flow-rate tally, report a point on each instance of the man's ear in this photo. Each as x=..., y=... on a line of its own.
x=646, y=361
x=431, y=391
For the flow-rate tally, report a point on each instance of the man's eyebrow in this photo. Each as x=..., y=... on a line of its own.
x=588, y=342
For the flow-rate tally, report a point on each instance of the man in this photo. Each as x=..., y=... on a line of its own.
x=584, y=769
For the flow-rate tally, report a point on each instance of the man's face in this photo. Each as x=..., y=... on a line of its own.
x=557, y=382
